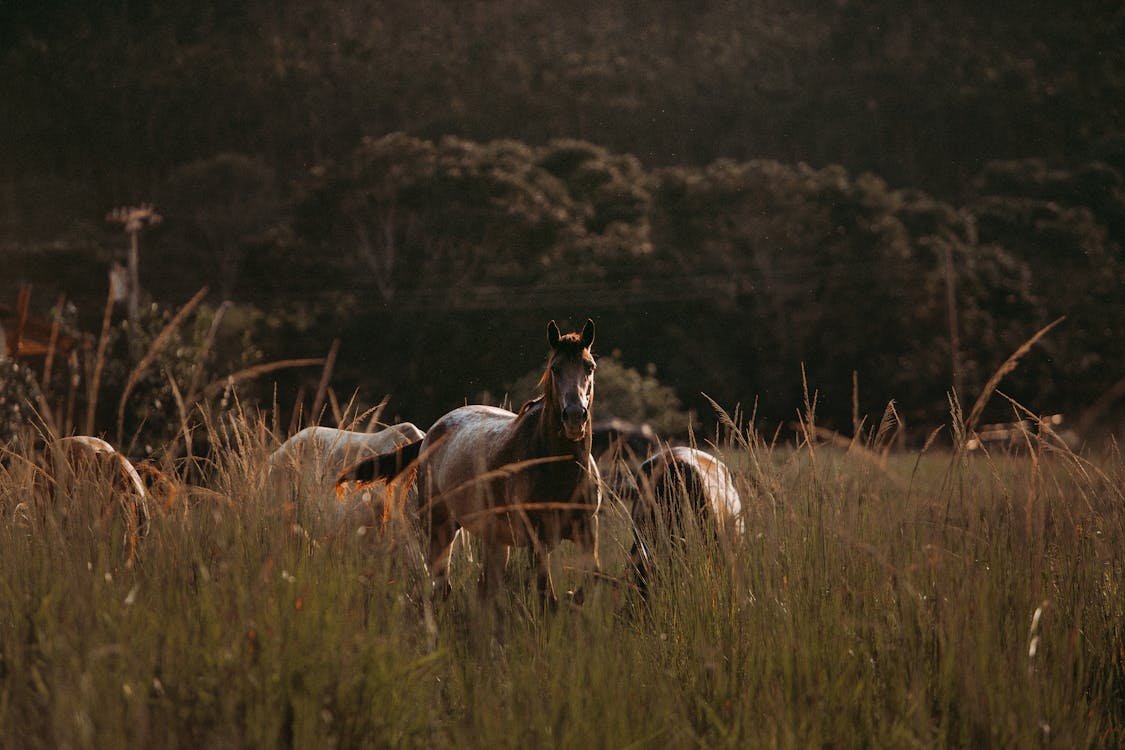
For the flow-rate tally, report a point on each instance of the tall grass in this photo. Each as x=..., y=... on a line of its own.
x=931, y=600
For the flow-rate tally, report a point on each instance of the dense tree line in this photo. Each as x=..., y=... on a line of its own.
x=647, y=164
x=106, y=98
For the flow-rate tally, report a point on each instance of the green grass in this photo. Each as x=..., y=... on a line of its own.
x=863, y=607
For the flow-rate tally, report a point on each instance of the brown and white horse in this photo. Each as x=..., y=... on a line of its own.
x=523, y=479
x=81, y=458
x=679, y=485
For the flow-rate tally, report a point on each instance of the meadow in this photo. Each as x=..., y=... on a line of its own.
x=876, y=598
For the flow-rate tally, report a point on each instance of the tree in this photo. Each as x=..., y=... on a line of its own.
x=219, y=209
x=1067, y=225
x=839, y=274
x=414, y=218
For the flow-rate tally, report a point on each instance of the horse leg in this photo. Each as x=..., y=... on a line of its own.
x=493, y=559
x=546, y=586
x=442, y=530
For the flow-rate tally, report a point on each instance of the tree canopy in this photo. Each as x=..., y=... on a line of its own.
x=893, y=196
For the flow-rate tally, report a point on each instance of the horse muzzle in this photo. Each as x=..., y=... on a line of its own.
x=575, y=421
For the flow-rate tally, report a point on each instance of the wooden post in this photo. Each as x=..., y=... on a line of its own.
x=134, y=274
x=22, y=303
x=134, y=219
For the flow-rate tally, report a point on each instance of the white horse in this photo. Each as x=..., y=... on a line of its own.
x=320, y=458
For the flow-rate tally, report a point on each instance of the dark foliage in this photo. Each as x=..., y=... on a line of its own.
x=643, y=163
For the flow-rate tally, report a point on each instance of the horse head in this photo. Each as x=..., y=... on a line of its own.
x=568, y=383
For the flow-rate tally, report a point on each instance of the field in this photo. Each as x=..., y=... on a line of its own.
x=934, y=599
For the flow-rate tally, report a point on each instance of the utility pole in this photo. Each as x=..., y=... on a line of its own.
x=134, y=219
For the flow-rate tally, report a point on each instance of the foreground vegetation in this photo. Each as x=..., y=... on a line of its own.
x=928, y=600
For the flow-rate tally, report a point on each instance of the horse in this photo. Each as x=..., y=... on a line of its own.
x=516, y=479
x=670, y=478
x=324, y=461
x=68, y=460
x=325, y=453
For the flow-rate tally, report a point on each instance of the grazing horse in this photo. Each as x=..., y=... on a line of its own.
x=84, y=451
x=84, y=457
x=321, y=459
x=668, y=480
x=523, y=479
x=331, y=451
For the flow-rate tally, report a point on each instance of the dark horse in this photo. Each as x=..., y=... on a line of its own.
x=523, y=479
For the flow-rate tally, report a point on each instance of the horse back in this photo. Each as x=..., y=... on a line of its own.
x=477, y=459
x=462, y=445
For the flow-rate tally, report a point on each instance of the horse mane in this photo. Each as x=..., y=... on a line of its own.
x=383, y=465
x=532, y=403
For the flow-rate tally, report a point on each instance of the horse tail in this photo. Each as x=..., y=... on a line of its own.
x=384, y=465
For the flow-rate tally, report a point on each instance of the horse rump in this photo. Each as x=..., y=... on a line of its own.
x=677, y=488
x=384, y=466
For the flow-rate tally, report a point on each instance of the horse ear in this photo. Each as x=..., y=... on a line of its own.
x=553, y=334
x=588, y=334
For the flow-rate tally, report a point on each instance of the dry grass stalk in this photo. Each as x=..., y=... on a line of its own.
x=375, y=411
x=333, y=402
x=250, y=373
x=46, y=416
x=52, y=342
x=957, y=420
x=181, y=407
x=806, y=420
x=918, y=460
x=22, y=303
x=154, y=349
x=208, y=342
x=810, y=403
x=352, y=423
x=857, y=422
x=725, y=419
x=72, y=391
x=298, y=411
x=99, y=363
x=1009, y=364
x=889, y=428
x=275, y=416
x=879, y=461
x=344, y=414
x=931, y=438
x=325, y=378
